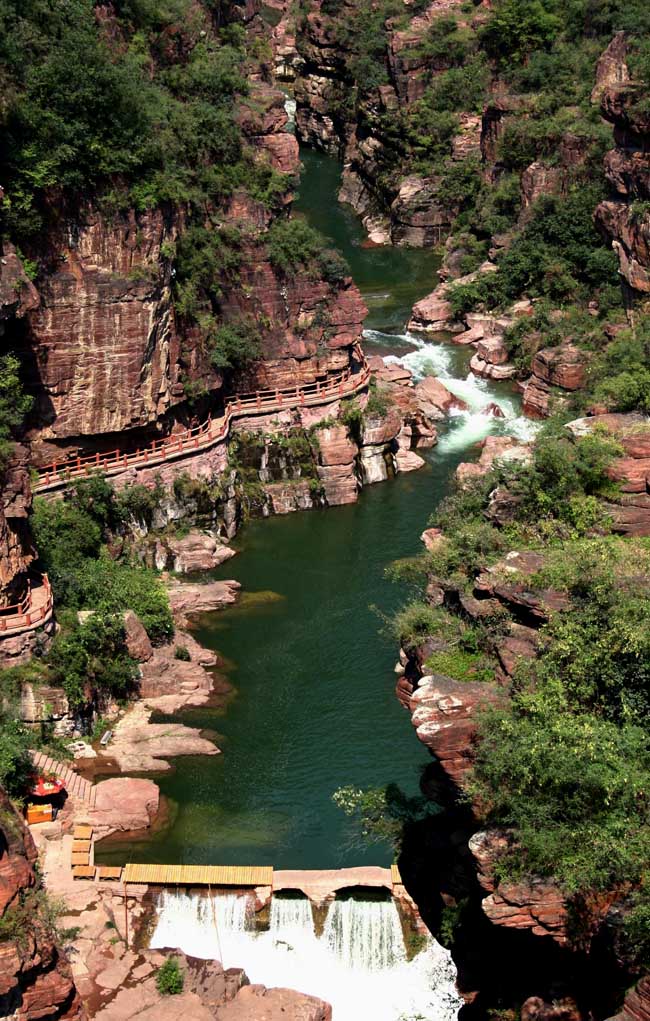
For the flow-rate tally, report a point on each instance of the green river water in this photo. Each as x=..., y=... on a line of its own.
x=314, y=705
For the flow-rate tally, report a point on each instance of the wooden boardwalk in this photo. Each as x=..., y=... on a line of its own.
x=75, y=785
x=189, y=442
x=34, y=610
x=199, y=875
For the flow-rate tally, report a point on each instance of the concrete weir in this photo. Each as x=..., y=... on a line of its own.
x=321, y=886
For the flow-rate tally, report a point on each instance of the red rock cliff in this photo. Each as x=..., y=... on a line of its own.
x=35, y=979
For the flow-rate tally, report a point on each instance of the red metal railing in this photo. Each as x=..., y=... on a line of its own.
x=32, y=610
x=203, y=436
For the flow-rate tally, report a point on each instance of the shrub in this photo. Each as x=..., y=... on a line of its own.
x=233, y=345
x=183, y=653
x=14, y=405
x=16, y=767
x=92, y=658
x=169, y=978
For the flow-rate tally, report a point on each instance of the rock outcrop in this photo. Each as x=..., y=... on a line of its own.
x=627, y=169
x=35, y=978
x=637, y=1003
x=630, y=510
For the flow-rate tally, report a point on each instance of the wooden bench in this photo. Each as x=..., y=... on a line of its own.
x=81, y=846
x=109, y=872
x=80, y=859
x=83, y=872
x=82, y=831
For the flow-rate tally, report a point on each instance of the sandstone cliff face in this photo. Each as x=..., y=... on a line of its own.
x=627, y=169
x=35, y=979
x=16, y=550
x=102, y=347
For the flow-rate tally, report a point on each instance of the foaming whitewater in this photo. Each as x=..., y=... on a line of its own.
x=466, y=427
x=359, y=961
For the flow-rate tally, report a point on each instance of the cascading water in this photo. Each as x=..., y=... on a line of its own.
x=360, y=959
x=440, y=359
x=365, y=934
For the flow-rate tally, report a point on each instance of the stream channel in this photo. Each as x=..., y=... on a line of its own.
x=314, y=707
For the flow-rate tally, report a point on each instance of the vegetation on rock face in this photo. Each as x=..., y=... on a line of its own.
x=169, y=978
x=72, y=536
x=564, y=765
x=14, y=405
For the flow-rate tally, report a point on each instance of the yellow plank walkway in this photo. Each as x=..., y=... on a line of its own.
x=199, y=875
x=235, y=875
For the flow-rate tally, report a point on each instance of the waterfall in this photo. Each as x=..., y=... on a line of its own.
x=365, y=934
x=360, y=959
x=474, y=424
x=291, y=916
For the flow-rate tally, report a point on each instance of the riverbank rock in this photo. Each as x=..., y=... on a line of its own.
x=443, y=713
x=435, y=401
x=140, y=746
x=124, y=804
x=197, y=551
x=494, y=448
x=434, y=314
x=637, y=1003
x=172, y=679
x=630, y=510
x=257, y=1003
x=187, y=599
x=537, y=904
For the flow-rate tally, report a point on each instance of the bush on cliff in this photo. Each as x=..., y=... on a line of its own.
x=14, y=405
x=15, y=762
x=71, y=536
x=169, y=978
x=90, y=660
x=293, y=246
x=575, y=790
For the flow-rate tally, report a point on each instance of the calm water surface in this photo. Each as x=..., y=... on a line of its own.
x=314, y=707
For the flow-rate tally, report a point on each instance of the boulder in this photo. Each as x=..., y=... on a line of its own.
x=443, y=713
x=563, y=366
x=125, y=804
x=196, y=551
x=137, y=640
x=187, y=599
x=537, y=905
x=256, y=1003
x=490, y=370
x=434, y=400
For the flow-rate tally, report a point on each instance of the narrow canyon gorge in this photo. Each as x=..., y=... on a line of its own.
x=324, y=397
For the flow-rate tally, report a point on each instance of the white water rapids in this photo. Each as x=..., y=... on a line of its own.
x=467, y=427
x=359, y=964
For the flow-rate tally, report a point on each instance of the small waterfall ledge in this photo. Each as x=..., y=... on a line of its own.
x=360, y=959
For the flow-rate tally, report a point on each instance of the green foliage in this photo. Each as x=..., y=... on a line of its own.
x=461, y=665
x=92, y=657
x=14, y=405
x=234, y=345
x=293, y=246
x=16, y=767
x=517, y=27
x=415, y=622
x=169, y=978
x=183, y=653
x=558, y=255
x=622, y=373
x=590, y=836
x=71, y=535
x=156, y=113
x=598, y=656
x=381, y=813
